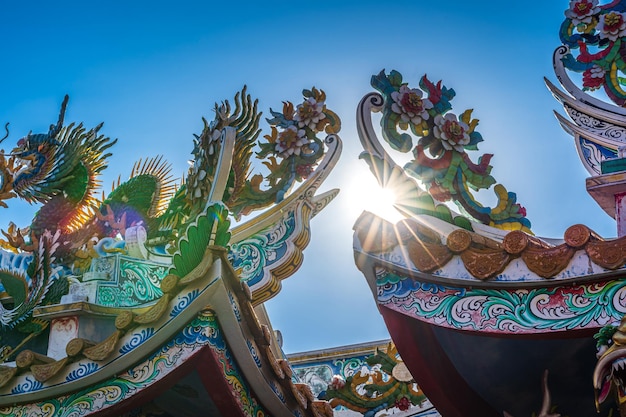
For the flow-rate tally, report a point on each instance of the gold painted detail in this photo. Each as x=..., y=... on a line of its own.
x=76, y=346
x=155, y=312
x=27, y=358
x=103, y=349
x=485, y=258
x=608, y=254
x=619, y=337
x=428, y=256
x=201, y=269
x=458, y=241
x=169, y=284
x=124, y=320
x=515, y=242
x=6, y=374
x=548, y=262
x=485, y=263
x=45, y=371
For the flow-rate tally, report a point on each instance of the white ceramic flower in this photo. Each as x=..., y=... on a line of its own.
x=290, y=141
x=612, y=25
x=410, y=105
x=581, y=11
x=452, y=133
x=309, y=113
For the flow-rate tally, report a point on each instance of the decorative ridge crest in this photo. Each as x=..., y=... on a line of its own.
x=440, y=163
x=592, y=37
x=485, y=258
x=61, y=169
x=597, y=32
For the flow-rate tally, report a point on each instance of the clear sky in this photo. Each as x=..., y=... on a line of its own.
x=151, y=69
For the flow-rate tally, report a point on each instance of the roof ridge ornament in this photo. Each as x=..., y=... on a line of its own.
x=441, y=165
x=593, y=35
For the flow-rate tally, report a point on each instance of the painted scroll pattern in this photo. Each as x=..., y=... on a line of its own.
x=139, y=282
x=534, y=310
x=255, y=255
x=596, y=126
x=201, y=331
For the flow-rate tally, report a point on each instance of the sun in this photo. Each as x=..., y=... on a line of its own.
x=364, y=193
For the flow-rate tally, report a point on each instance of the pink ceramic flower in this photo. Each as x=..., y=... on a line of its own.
x=304, y=170
x=337, y=382
x=290, y=141
x=612, y=25
x=581, y=11
x=453, y=133
x=309, y=113
x=410, y=105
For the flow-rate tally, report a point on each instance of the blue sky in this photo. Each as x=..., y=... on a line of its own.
x=151, y=70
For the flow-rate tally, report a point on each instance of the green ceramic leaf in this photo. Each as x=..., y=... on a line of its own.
x=209, y=228
x=15, y=285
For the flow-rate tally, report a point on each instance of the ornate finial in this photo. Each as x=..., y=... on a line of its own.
x=594, y=34
x=441, y=162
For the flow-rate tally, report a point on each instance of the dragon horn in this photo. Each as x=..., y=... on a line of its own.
x=6, y=127
x=54, y=130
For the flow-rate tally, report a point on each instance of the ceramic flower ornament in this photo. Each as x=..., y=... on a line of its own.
x=582, y=11
x=454, y=134
x=290, y=141
x=594, y=36
x=309, y=113
x=410, y=105
x=612, y=25
x=421, y=121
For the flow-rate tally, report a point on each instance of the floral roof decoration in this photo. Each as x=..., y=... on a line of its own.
x=595, y=33
x=291, y=151
x=441, y=162
x=387, y=385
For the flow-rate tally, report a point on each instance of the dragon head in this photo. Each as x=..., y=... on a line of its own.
x=610, y=372
x=35, y=156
